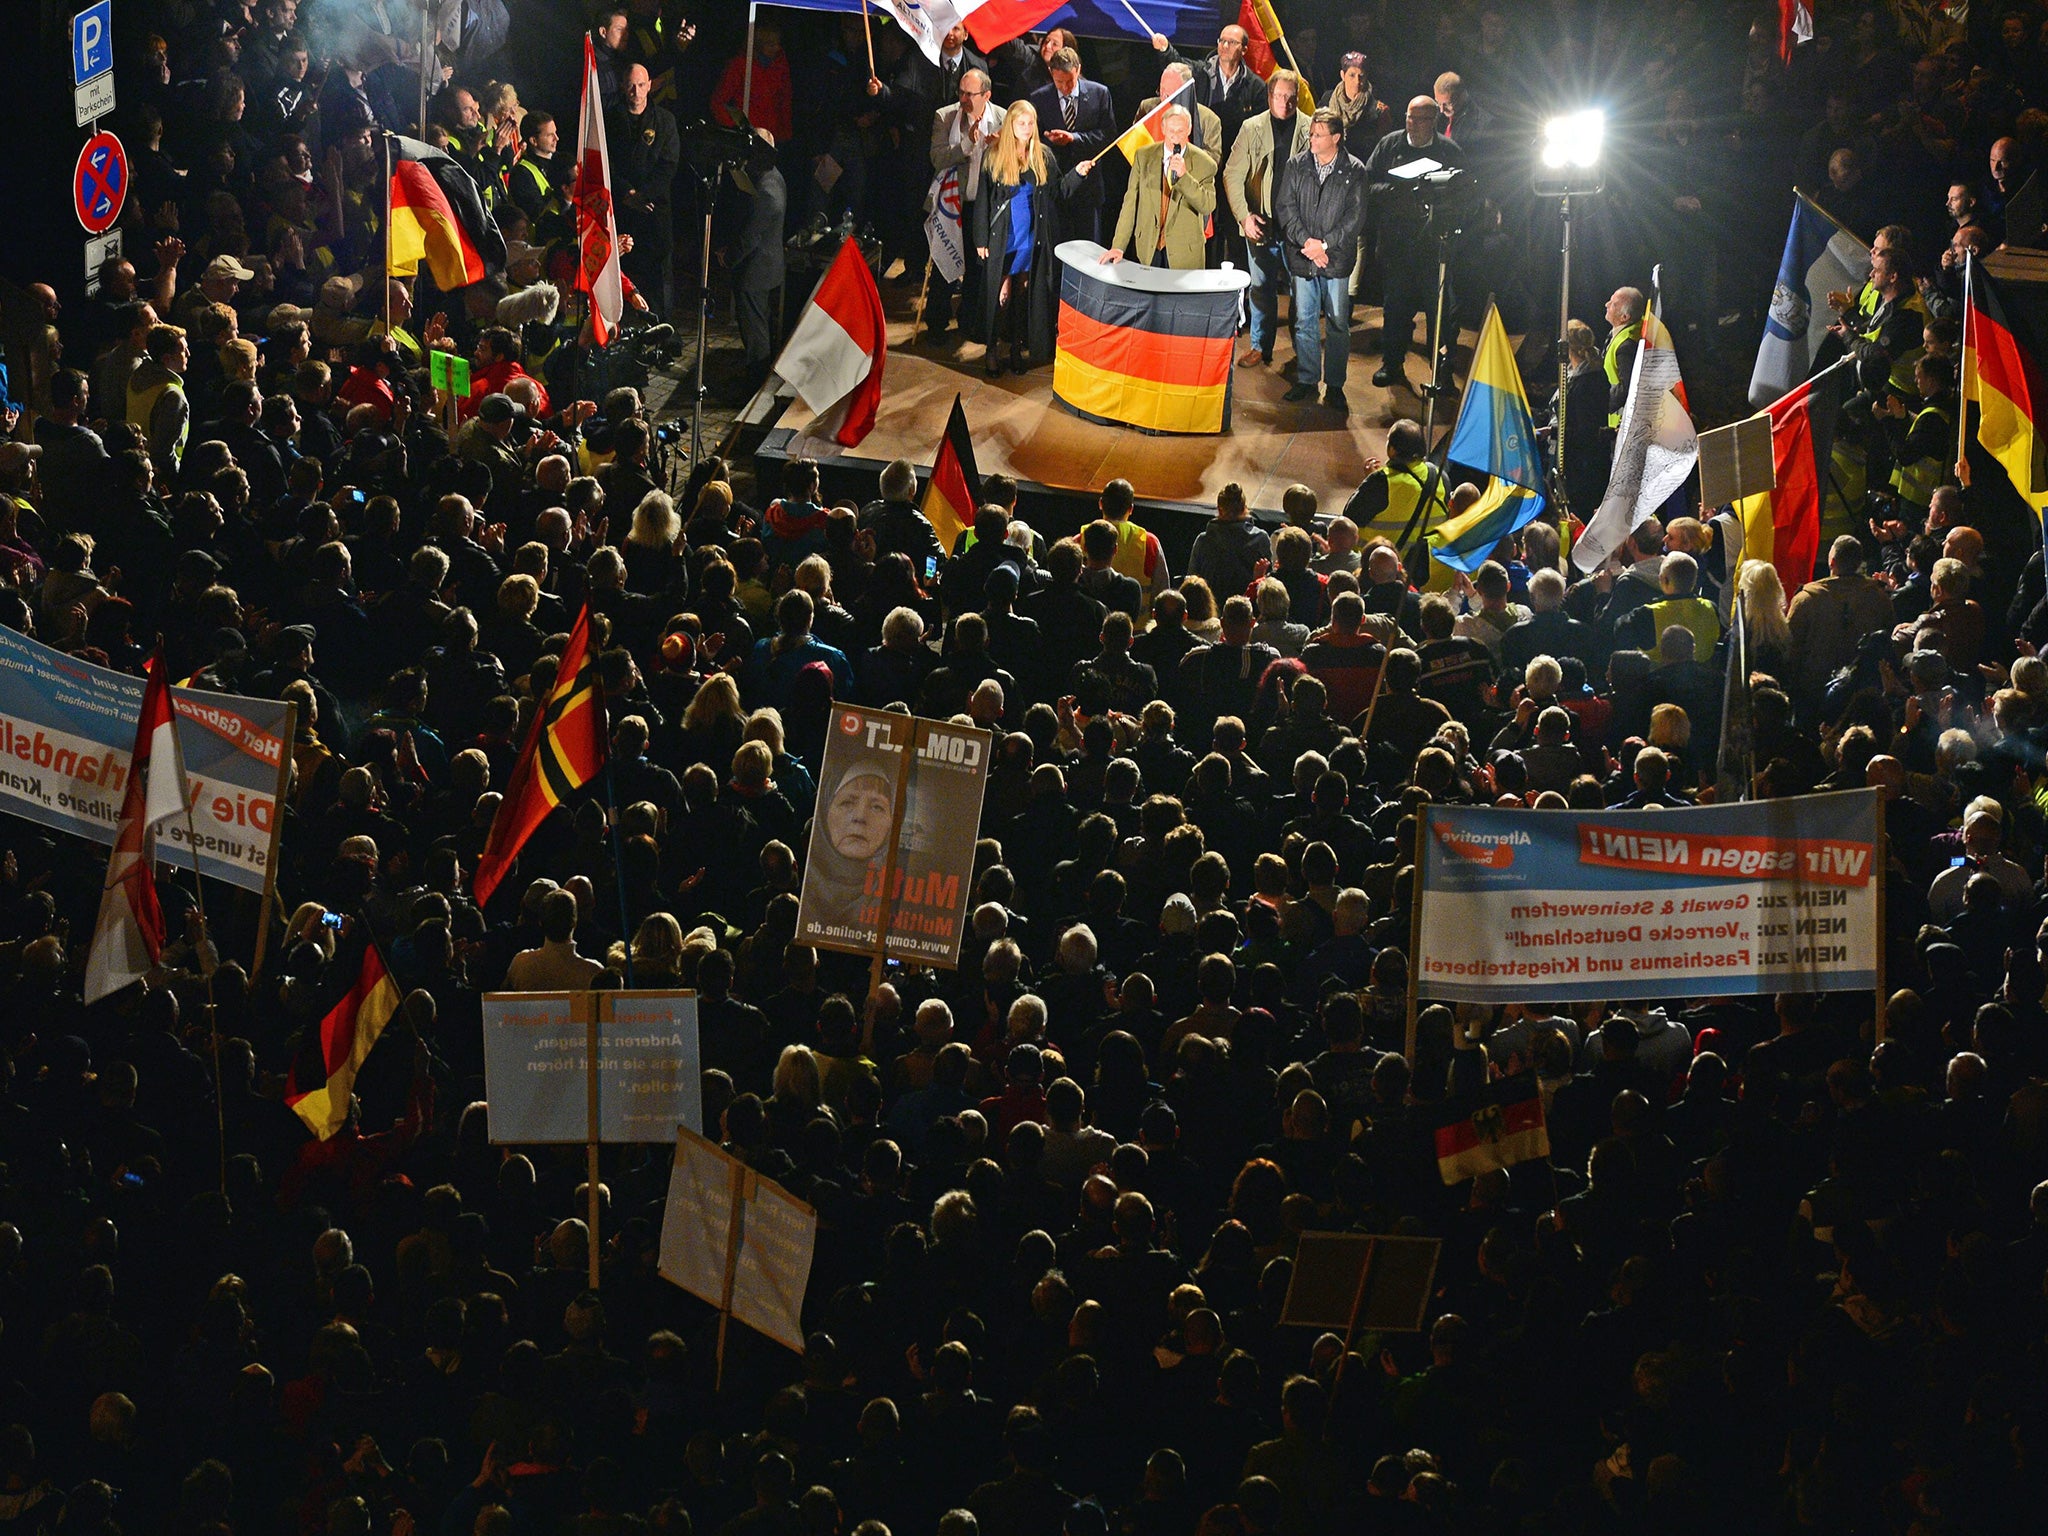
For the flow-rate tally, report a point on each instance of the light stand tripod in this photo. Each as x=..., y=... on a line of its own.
x=710, y=154
x=1443, y=226
x=1568, y=167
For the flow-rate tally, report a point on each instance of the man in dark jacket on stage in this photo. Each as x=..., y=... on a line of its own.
x=1320, y=211
x=645, y=150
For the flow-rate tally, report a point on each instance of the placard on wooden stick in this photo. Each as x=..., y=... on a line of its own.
x=1387, y=1280
x=1736, y=461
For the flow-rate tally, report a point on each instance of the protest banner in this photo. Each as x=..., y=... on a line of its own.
x=739, y=1241
x=1714, y=901
x=67, y=728
x=892, y=845
x=633, y=1055
x=537, y=1059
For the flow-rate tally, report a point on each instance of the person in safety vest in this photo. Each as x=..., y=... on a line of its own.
x=1888, y=312
x=157, y=402
x=1625, y=310
x=1403, y=499
x=1681, y=606
x=1138, y=553
x=1922, y=436
x=538, y=186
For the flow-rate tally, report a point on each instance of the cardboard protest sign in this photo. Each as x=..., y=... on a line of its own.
x=67, y=729
x=1352, y=1281
x=899, y=807
x=537, y=1063
x=737, y=1240
x=1718, y=901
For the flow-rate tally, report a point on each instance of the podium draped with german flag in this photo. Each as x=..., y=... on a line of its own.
x=1143, y=346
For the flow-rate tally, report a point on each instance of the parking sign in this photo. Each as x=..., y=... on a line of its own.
x=92, y=62
x=92, y=42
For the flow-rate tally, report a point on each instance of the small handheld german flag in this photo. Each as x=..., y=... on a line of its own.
x=1150, y=129
x=955, y=488
x=565, y=749
x=347, y=1033
x=1504, y=1128
x=438, y=215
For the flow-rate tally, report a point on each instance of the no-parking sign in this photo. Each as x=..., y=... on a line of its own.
x=100, y=184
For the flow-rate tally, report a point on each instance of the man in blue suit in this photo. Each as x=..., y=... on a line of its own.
x=1076, y=117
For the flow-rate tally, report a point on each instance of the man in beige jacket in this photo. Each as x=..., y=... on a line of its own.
x=1171, y=194
x=1251, y=178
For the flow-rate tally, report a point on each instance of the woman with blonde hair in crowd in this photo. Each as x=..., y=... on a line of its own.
x=1766, y=634
x=657, y=952
x=714, y=725
x=650, y=545
x=1015, y=226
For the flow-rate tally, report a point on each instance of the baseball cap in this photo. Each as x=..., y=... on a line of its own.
x=227, y=266
x=497, y=409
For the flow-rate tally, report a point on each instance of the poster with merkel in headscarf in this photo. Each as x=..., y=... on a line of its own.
x=892, y=843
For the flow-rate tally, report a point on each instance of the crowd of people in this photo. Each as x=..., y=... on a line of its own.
x=1786, y=1263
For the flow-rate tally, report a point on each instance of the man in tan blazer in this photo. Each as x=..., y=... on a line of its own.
x=1250, y=178
x=1171, y=194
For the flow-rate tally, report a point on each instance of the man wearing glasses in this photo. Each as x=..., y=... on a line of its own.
x=962, y=131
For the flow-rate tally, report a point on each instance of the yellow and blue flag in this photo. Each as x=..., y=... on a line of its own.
x=1495, y=433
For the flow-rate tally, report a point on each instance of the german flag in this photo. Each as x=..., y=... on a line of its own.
x=1150, y=129
x=1262, y=30
x=1156, y=361
x=955, y=488
x=2000, y=375
x=1782, y=525
x=565, y=749
x=347, y=1033
x=438, y=214
x=1506, y=1128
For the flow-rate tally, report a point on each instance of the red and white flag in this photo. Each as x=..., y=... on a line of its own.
x=129, y=936
x=834, y=357
x=597, y=230
x=1795, y=25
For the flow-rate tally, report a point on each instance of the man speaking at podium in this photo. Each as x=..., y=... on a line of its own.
x=1171, y=194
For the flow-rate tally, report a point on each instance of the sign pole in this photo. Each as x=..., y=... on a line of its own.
x=735, y=1229
x=284, y=773
x=1351, y=1328
x=1880, y=864
x=888, y=906
x=1379, y=684
x=590, y=1002
x=220, y=1110
x=1415, y=933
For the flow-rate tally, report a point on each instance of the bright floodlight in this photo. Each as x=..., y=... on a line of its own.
x=1574, y=139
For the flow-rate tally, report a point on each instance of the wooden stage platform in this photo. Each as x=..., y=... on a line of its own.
x=1061, y=460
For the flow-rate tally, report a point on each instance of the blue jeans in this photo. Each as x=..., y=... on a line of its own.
x=1268, y=270
x=1319, y=301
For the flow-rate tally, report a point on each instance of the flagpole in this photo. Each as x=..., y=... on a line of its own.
x=867, y=27
x=427, y=51
x=593, y=1046
x=220, y=1112
x=1963, y=394
x=1150, y=30
x=747, y=71
x=387, y=218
